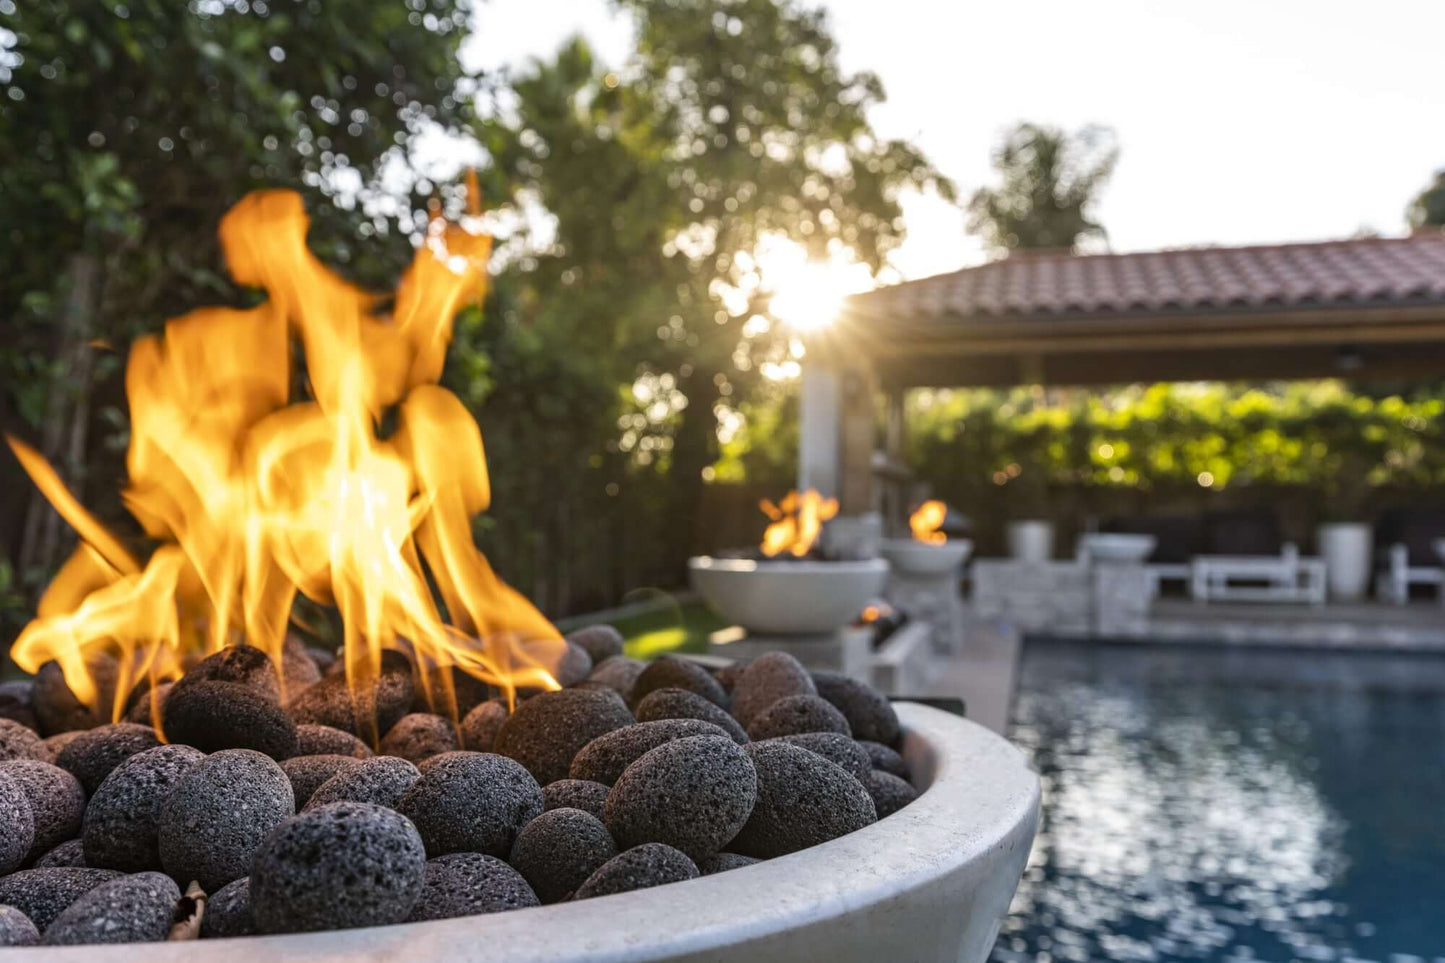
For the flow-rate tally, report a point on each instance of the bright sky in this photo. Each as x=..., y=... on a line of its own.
x=1239, y=121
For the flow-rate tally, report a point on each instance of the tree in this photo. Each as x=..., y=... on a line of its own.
x=1428, y=207
x=1049, y=182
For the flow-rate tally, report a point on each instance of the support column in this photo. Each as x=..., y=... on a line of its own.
x=820, y=419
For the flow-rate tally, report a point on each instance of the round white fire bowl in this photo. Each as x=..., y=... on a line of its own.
x=802, y=597
x=1118, y=548
x=912, y=557
x=931, y=882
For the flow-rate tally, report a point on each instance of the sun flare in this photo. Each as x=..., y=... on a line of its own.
x=808, y=292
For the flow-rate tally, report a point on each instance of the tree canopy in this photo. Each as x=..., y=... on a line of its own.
x=1428, y=207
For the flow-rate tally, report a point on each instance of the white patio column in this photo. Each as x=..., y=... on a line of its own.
x=820, y=419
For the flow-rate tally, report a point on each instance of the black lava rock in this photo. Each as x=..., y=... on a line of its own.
x=56, y=743
x=464, y=694
x=481, y=725
x=17, y=824
x=693, y=794
x=803, y=800
x=430, y=761
x=604, y=758
x=768, y=678
x=122, y=823
x=885, y=759
x=670, y=672
x=836, y=748
x=380, y=781
x=590, y=797
x=559, y=850
x=17, y=702
x=21, y=742
x=314, y=740
x=218, y=814
x=598, y=641
x=869, y=713
x=546, y=731
x=338, y=866
x=420, y=735
x=16, y=928
x=651, y=864
x=142, y=711
x=889, y=793
x=69, y=853
x=618, y=674
x=228, y=911
x=472, y=802
x=798, y=714
x=56, y=707
x=242, y=665
x=470, y=884
x=213, y=716
x=133, y=909
x=728, y=675
x=377, y=709
x=43, y=894
x=57, y=802
x=573, y=666
x=307, y=773
x=682, y=704
x=722, y=862
x=298, y=670
x=91, y=755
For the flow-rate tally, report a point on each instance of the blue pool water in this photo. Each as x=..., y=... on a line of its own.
x=1202, y=804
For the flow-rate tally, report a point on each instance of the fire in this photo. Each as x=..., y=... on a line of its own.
x=927, y=521
x=256, y=494
x=797, y=522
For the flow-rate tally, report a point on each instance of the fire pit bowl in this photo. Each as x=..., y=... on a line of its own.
x=912, y=557
x=796, y=597
x=930, y=882
x=1118, y=548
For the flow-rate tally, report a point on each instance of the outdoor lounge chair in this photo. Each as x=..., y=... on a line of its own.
x=1408, y=540
x=1246, y=561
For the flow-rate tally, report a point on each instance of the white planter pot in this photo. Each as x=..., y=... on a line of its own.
x=1031, y=540
x=1117, y=548
x=788, y=598
x=1348, y=551
x=909, y=556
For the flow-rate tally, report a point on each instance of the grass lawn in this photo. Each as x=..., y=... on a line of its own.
x=677, y=628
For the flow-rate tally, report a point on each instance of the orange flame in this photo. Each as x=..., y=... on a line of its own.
x=797, y=522
x=927, y=521
x=255, y=495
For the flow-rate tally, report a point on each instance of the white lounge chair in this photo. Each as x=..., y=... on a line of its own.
x=1286, y=577
x=1393, y=584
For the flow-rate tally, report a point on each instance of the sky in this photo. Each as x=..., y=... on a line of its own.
x=1239, y=121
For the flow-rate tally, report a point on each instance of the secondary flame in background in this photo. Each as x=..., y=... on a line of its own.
x=254, y=496
x=797, y=522
x=927, y=521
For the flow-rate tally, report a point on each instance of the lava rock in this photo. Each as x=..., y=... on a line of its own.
x=213, y=716
x=329, y=702
x=798, y=714
x=836, y=748
x=722, y=862
x=56, y=743
x=670, y=672
x=243, y=665
x=728, y=675
x=802, y=800
x=57, y=708
x=437, y=697
x=323, y=658
x=133, y=909
x=298, y=670
x=16, y=928
x=380, y=781
x=307, y=773
x=889, y=793
x=885, y=759
x=869, y=713
x=338, y=866
x=57, y=802
x=122, y=823
x=426, y=764
x=768, y=678
x=604, y=758
x=228, y=911
x=418, y=736
x=590, y=797
x=43, y=894
x=559, y=850
x=92, y=755
x=651, y=864
x=17, y=824
x=470, y=884
x=598, y=641
x=21, y=742
x=618, y=673
x=693, y=794
x=481, y=725
x=142, y=711
x=69, y=853
x=219, y=813
x=472, y=802
x=682, y=704
x=314, y=740
x=546, y=731
x=574, y=665
x=17, y=702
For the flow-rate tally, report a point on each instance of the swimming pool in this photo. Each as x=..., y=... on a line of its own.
x=1231, y=805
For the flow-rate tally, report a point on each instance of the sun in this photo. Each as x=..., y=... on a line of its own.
x=808, y=293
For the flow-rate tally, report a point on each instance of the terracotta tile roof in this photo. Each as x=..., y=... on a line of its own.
x=1054, y=285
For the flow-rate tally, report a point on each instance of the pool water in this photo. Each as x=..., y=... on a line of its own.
x=1228, y=805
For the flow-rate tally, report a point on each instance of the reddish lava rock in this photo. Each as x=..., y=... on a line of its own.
x=481, y=725
x=558, y=850
x=548, y=730
x=56, y=707
x=243, y=665
x=418, y=736
x=682, y=704
x=651, y=864
x=329, y=702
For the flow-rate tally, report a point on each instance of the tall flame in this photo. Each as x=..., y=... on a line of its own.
x=927, y=521
x=797, y=522
x=255, y=495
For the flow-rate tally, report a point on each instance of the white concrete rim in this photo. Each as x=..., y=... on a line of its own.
x=780, y=566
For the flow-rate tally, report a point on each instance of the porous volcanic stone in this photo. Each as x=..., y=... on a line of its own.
x=328, y=702
x=604, y=758
x=228, y=911
x=869, y=713
x=547, y=730
x=469, y=884
x=598, y=641
x=57, y=708
x=889, y=793
x=682, y=704
x=314, y=740
x=558, y=850
x=693, y=794
x=803, y=800
x=323, y=658
x=17, y=824
x=122, y=823
x=472, y=802
x=242, y=665
x=57, y=802
x=722, y=862
x=338, y=866
x=307, y=773
x=54, y=744
x=299, y=671
x=17, y=702
x=91, y=755
x=467, y=692
x=618, y=673
x=42, y=894
x=141, y=711
x=218, y=814
x=418, y=736
x=885, y=759
x=768, y=678
x=430, y=761
x=16, y=928
x=836, y=748
x=226, y=715
x=380, y=781
x=69, y=853
x=651, y=864
x=574, y=665
x=481, y=725
x=797, y=714
x=133, y=909
x=590, y=797
x=728, y=675
x=21, y=742
x=670, y=672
